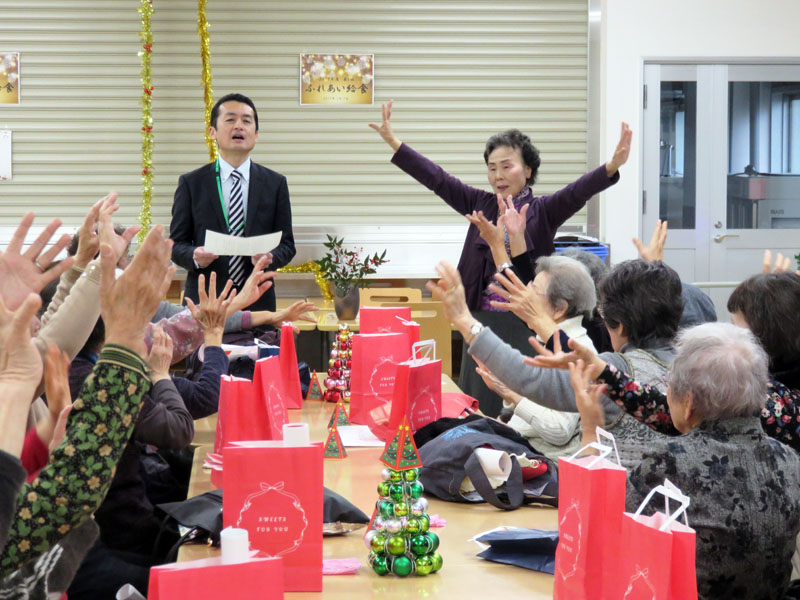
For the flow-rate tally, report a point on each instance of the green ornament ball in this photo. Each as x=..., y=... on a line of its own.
x=434, y=540
x=424, y=564
x=424, y=523
x=401, y=509
x=412, y=525
x=386, y=508
x=437, y=561
x=380, y=565
x=395, y=476
x=396, y=545
x=383, y=488
x=396, y=491
x=420, y=544
x=414, y=489
x=411, y=474
x=377, y=543
x=402, y=566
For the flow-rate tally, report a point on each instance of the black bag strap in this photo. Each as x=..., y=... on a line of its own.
x=478, y=477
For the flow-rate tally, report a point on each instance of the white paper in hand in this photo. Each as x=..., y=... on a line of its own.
x=231, y=245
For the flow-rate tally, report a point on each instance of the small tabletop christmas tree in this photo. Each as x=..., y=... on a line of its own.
x=337, y=383
x=399, y=536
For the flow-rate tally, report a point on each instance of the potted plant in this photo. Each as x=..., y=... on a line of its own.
x=345, y=270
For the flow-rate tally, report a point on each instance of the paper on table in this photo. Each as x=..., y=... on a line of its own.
x=354, y=436
x=231, y=245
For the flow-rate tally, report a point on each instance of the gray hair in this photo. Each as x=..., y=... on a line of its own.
x=724, y=367
x=597, y=268
x=570, y=284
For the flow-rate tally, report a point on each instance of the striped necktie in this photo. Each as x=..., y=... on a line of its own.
x=236, y=227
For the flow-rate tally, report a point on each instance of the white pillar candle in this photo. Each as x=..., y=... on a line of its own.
x=235, y=545
x=296, y=434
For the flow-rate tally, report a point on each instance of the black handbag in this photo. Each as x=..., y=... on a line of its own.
x=450, y=457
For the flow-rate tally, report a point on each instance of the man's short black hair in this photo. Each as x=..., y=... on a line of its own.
x=514, y=138
x=645, y=298
x=232, y=98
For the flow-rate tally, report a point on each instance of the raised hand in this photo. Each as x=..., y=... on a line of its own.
x=128, y=303
x=525, y=302
x=255, y=286
x=20, y=361
x=514, y=221
x=559, y=359
x=621, y=152
x=299, y=311
x=385, y=128
x=118, y=243
x=497, y=386
x=655, y=249
x=23, y=274
x=212, y=310
x=587, y=399
x=450, y=292
x=88, y=238
x=160, y=357
x=782, y=265
x=52, y=428
x=493, y=234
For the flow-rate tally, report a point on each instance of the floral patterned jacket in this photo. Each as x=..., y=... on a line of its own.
x=745, y=504
x=75, y=481
x=780, y=416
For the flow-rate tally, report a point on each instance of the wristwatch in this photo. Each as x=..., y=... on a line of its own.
x=476, y=328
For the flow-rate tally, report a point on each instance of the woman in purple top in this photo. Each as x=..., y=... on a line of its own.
x=513, y=162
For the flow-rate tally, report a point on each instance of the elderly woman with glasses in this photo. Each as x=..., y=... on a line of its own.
x=565, y=291
x=744, y=486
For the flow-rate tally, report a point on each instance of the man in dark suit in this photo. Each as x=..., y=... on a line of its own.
x=234, y=196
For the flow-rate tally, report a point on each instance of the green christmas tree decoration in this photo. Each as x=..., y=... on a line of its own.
x=314, y=391
x=396, y=540
x=339, y=415
x=333, y=445
x=401, y=452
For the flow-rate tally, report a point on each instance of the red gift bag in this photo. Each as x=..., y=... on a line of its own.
x=417, y=391
x=209, y=579
x=275, y=492
x=383, y=319
x=591, y=501
x=658, y=552
x=291, y=376
x=241, y=415
x=375, y=359
x=270, y=387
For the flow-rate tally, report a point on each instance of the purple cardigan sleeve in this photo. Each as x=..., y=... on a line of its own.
x=564, y=203
x=460, y=196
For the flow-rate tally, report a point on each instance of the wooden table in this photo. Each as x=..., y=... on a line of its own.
x=464, y=575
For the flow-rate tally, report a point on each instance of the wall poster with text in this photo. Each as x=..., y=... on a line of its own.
x=9, y=77
x=337, y=78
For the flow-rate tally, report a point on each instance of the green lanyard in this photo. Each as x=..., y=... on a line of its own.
x=222, y=200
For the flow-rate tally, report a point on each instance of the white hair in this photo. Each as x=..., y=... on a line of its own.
x=724, y=368
x=570, y=284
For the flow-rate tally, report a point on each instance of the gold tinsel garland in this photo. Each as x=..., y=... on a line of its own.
x=205, y=53
x=145, y=12
x=311, y=267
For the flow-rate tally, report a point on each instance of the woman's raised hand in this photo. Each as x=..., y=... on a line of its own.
x=385, y=128
x=621, y=152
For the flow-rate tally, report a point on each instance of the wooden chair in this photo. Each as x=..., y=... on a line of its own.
x=433, y=324
x=380, y=296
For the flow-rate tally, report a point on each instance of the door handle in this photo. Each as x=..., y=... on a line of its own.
x=719, y=237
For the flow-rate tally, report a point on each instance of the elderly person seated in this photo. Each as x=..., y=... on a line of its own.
x=641, y=304
x=744, y=485
x=566, y=293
